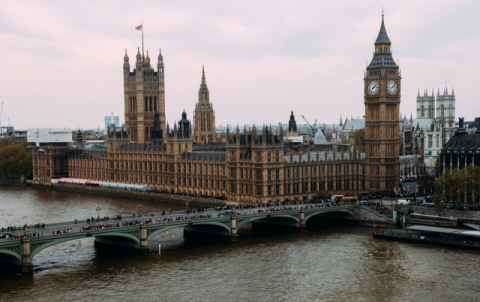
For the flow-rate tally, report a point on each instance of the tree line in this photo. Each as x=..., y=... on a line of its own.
x=459, y=185
x=15, y=158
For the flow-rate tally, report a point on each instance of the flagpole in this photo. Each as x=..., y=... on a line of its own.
x=142, y=40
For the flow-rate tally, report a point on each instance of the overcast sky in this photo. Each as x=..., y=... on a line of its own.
x=62, y=60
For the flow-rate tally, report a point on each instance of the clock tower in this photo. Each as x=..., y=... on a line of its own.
x=382, y=104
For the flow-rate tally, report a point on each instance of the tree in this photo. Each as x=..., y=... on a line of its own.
x=328, y=137
x=15, y=158
x=459, y=185
x=359, y=136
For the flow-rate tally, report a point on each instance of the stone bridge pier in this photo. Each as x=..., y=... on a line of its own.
x=144, y=249
x=27, y=266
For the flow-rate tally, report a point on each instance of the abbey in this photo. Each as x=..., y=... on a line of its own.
x=253, y=165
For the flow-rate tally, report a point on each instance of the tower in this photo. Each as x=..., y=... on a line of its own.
x=382, y=94
x=425, y=105
x=144, y=91
x=204, y=116
x=446, y=108
x=292, y=126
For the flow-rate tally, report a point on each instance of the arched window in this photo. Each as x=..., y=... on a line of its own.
x=442, y=111
x=422, y=111
x=145, y=108
x=151, y=105
x=155, y=104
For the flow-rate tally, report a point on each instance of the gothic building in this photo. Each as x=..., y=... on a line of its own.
x=382, y=100
x=144, y=90
x=424, y=137
x=204, y=116
x=252, y=166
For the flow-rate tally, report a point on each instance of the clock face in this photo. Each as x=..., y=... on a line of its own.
x=392, y=87
x=373, y=88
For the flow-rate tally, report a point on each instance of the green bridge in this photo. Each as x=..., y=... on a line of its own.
x=20, y=252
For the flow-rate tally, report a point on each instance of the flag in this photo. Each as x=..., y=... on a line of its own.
x=138, y=27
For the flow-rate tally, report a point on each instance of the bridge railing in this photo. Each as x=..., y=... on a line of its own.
x=150, y=215
x=111, y=219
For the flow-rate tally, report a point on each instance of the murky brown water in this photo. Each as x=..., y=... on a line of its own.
x=337, y=263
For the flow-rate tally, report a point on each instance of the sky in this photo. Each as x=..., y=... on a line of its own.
x=62, y=60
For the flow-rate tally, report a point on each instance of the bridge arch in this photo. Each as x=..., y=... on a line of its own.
x=330, y=214
x=44, y=245
x=12, y=254
x=250, y=219
x=170, y=227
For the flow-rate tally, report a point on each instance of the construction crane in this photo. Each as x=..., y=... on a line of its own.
x=314, y=128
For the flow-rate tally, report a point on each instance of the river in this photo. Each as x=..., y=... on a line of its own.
x=330, y=263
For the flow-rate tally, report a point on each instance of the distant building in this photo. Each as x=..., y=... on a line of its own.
x=109, y=120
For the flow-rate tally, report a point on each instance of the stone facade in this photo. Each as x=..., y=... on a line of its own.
x=144, y=91
x=382, y=100
x=204, y=116
x=252, y=166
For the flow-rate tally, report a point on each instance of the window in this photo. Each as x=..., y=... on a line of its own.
x=269, y=190
x=259, y=190
x=277, y=176
x=438, y=140
x=430, y=141
x=269, y=157
x=277, y=157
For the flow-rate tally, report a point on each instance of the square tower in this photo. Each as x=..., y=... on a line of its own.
x=382, y=101
x=144, y=91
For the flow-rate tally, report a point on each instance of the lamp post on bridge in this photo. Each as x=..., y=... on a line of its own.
x=98, y=212
x=143, y=214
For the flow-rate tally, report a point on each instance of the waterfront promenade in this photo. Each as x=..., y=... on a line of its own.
x=134, y=232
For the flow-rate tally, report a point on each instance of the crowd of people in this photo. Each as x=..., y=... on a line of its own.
x=198, y=213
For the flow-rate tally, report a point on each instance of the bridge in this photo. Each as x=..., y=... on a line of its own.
x=134, y=233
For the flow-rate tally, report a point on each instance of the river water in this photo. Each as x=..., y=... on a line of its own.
x=329, y=263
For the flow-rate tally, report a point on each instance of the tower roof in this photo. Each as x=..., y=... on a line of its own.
x=382, y=35
x=203, y=76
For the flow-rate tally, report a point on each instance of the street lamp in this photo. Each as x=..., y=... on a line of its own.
x=98, y=211
x=186, y=204
x=143, y=214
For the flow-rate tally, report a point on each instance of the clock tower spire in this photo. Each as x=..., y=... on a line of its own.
x=382, y=104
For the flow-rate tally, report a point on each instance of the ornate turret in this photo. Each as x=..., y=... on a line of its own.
x=204, y=116
x=126, y=64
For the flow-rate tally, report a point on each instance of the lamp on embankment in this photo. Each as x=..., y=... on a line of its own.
x=98, y=211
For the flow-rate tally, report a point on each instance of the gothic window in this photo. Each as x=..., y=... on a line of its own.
x=155, y=104
x=179, y=148
x=430, y=141
x=151, y=104
x=422, y=111
x=438, y=140
x=146, y=105
x=450, y=111
x=277, y=157
x=442, y=111
x=269, y=156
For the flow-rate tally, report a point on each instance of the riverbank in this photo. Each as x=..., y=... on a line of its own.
x=151, y=196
